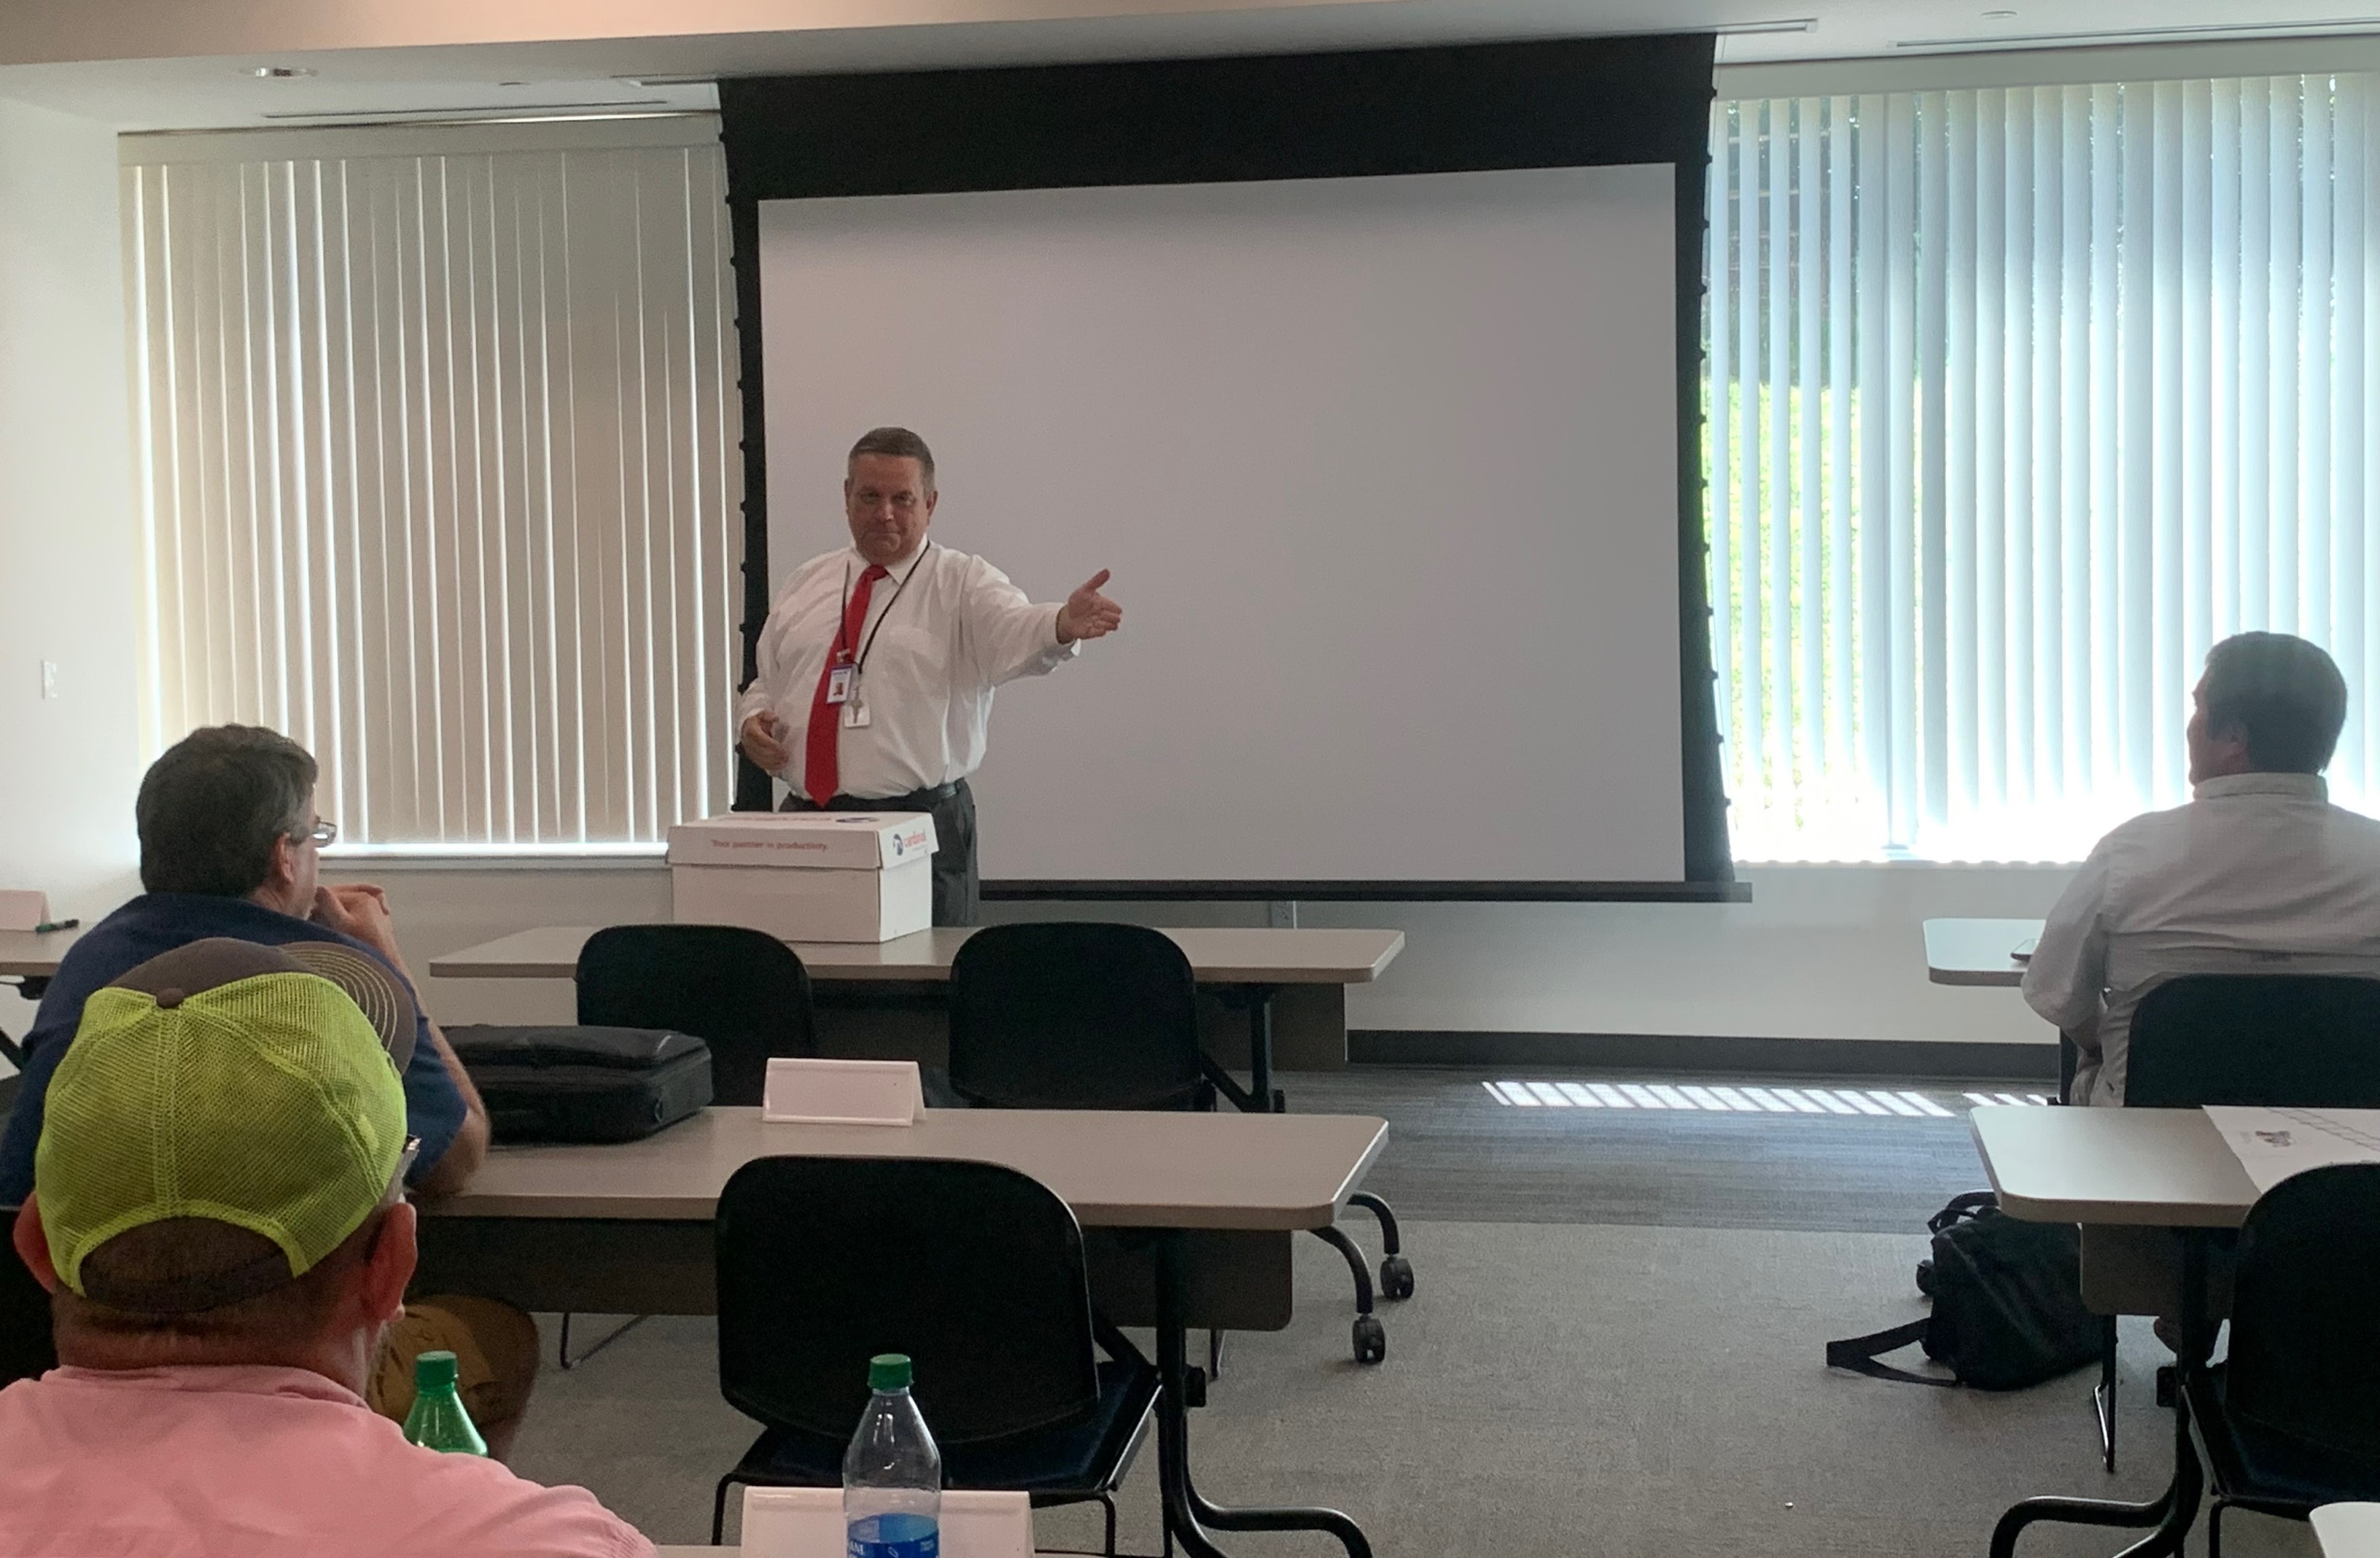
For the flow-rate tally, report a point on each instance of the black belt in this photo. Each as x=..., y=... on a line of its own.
x=916, y=801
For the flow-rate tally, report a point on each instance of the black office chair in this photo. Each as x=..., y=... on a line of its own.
x=2275, y=1040
x=742, y=992
x=2307, y=1041
x=27, y=1346
x=2292, y=1421
x=1091, y=1015
x=976, y=1272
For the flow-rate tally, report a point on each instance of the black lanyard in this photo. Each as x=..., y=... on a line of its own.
x=842, y=613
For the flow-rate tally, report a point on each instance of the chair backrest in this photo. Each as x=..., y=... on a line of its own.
x=974, y=1270
x=1073, y=1016
x=740, y=991
x=2276, y=1040
x=27, y=1347
x=2305, y=1311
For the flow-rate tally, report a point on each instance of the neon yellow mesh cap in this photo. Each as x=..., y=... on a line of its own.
x=227, y=1081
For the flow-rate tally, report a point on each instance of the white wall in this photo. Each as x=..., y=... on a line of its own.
x=1821, y=952
x=68, y=764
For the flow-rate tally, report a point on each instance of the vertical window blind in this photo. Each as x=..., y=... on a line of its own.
x=2017, y=400
x=437, y=447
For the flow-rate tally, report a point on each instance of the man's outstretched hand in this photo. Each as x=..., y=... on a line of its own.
x=1087, y=613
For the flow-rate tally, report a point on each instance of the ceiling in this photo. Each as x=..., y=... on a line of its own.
x=648, y=74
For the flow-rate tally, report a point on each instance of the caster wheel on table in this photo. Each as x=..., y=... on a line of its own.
x=1371, y=1339
x=1396, y=1277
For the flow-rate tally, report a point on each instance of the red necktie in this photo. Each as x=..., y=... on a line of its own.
x=819, y=777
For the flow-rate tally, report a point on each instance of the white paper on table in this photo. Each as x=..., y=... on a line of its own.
x=808, y=1523
x=2272, y=1144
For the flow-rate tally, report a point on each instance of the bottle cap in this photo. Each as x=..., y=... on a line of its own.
x=886, y=1371
x=434, y=1371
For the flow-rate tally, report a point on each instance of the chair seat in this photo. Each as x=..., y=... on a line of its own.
x=2256, y=1462
x=1088, y=1456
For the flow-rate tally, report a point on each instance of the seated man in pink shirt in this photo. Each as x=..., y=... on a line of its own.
x=218, y=1212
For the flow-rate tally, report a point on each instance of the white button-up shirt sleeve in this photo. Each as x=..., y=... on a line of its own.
x=1005, y=635
x=2067, y=979
x=769, y=691
x=932, y=651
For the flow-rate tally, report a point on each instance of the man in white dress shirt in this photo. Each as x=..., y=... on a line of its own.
x=2258, y=874
x=878, y=661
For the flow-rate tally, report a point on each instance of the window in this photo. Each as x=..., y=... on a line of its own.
x=437, y=447
x=2019, y=399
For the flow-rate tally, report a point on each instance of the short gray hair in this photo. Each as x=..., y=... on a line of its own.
x=901, y=444
x=211, y=809
x=2283, y=696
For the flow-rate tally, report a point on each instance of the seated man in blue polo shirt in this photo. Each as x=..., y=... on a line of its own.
x=230, y=845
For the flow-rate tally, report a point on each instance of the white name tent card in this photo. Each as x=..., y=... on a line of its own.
x=808, y=1523
x=842, y=1093
x=23, y=910
x=2272, y=1144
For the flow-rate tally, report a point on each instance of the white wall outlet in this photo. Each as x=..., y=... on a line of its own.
x=49, y=679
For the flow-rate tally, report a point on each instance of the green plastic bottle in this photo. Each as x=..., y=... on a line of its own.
x=438, y=1420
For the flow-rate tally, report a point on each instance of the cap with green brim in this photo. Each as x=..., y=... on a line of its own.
x=229, y=1082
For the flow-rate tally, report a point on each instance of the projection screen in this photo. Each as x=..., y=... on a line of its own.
x=1384, y=470
x=1371, y=375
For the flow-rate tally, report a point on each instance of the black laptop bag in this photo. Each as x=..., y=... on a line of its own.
x=2008, y=1303
x=583, y=1084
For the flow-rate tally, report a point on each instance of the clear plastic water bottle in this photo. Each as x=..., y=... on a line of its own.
x=892, y=1474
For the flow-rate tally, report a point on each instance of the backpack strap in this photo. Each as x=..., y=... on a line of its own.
x=1961, y=1207
x=1859, y=1354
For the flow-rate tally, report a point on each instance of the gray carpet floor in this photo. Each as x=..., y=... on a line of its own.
x=1455, y=1154
x=1577, y=1384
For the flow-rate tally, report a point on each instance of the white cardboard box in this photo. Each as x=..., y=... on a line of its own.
x=806, y=875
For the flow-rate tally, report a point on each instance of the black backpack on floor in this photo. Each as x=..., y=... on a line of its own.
x=2008, y=1303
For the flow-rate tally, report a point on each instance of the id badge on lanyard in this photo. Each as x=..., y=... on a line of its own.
x=841, y=683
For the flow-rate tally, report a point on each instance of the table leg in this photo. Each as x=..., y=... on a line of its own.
x=1259, y=1097
x=2172, y=1511
x=1260, y=1052
x=1187, y=1514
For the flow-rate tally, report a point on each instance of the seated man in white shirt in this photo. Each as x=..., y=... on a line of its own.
x=2258, y=874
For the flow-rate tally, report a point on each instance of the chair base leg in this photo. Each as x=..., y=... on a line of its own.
x=2171, y=1512
x=719, y=1510
x=2103, y=1394
x=567, y=1362
x=1396, y=1271
x=1371, y=1338
x=1214, y=1355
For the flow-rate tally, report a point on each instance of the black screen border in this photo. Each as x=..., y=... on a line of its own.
x=1562, y=103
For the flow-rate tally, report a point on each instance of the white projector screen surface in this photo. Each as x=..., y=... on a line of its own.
x=1386, y=469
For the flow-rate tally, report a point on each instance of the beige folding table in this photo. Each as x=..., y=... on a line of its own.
x=1977, y=951
x=1188, y=1219
x=2120, y=1170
